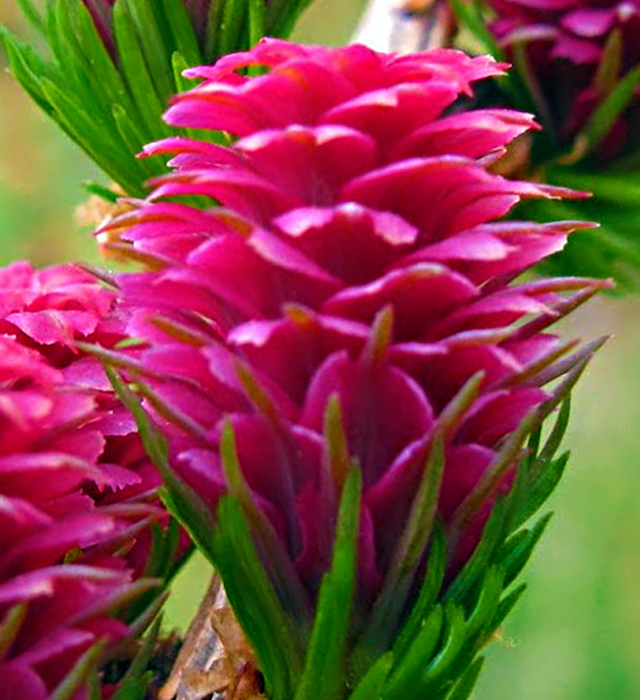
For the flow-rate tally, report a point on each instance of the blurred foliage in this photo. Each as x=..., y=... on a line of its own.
x=106, y=83
x=39, y=164
x=40, y=184
x=575, y=634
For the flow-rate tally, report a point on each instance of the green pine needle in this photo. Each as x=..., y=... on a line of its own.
x=544, y=486
x=183, y=37
x=506, y=606
x=85, y=666
x=137, y=677
x=11, y=625
x=181, y=501
x=492, y=586
x=256, y=21
x=428, y=595
x=410, y=666
x=492, y=538
x=149, y=102
x=370, y=686
x=154, y=42
x=277, y=644
x=464, y=687
x=28, y=68
x=517, y=556
x=99, y=190
x=386, y=616
x=234, y=25
x=610, y=110
x=323, y=676
x=454, y=637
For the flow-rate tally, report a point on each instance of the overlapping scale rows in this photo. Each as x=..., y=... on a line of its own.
x=76, y=489
x=347, y=242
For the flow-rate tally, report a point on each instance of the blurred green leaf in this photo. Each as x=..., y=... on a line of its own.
x=470, y=14
x=256, y=21
x=28, y=68
x=185, y=40
x=610, y=109
x=283, y=14
x=234, y=21
x=32, y=14
x=134, y=67
x=153, y=39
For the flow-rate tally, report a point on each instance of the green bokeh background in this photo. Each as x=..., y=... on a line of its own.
x=576, y=633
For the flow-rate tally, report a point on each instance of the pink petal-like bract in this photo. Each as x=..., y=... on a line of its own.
x=351, y=251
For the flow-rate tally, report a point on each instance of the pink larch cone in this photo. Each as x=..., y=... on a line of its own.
x=347, y=254
x=77, y=493
x=576, y=51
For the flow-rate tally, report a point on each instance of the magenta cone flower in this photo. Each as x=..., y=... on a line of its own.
x=50, y=311
x=354, y=267
x=74, y=484
x=49, y=450
x=576, y=52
